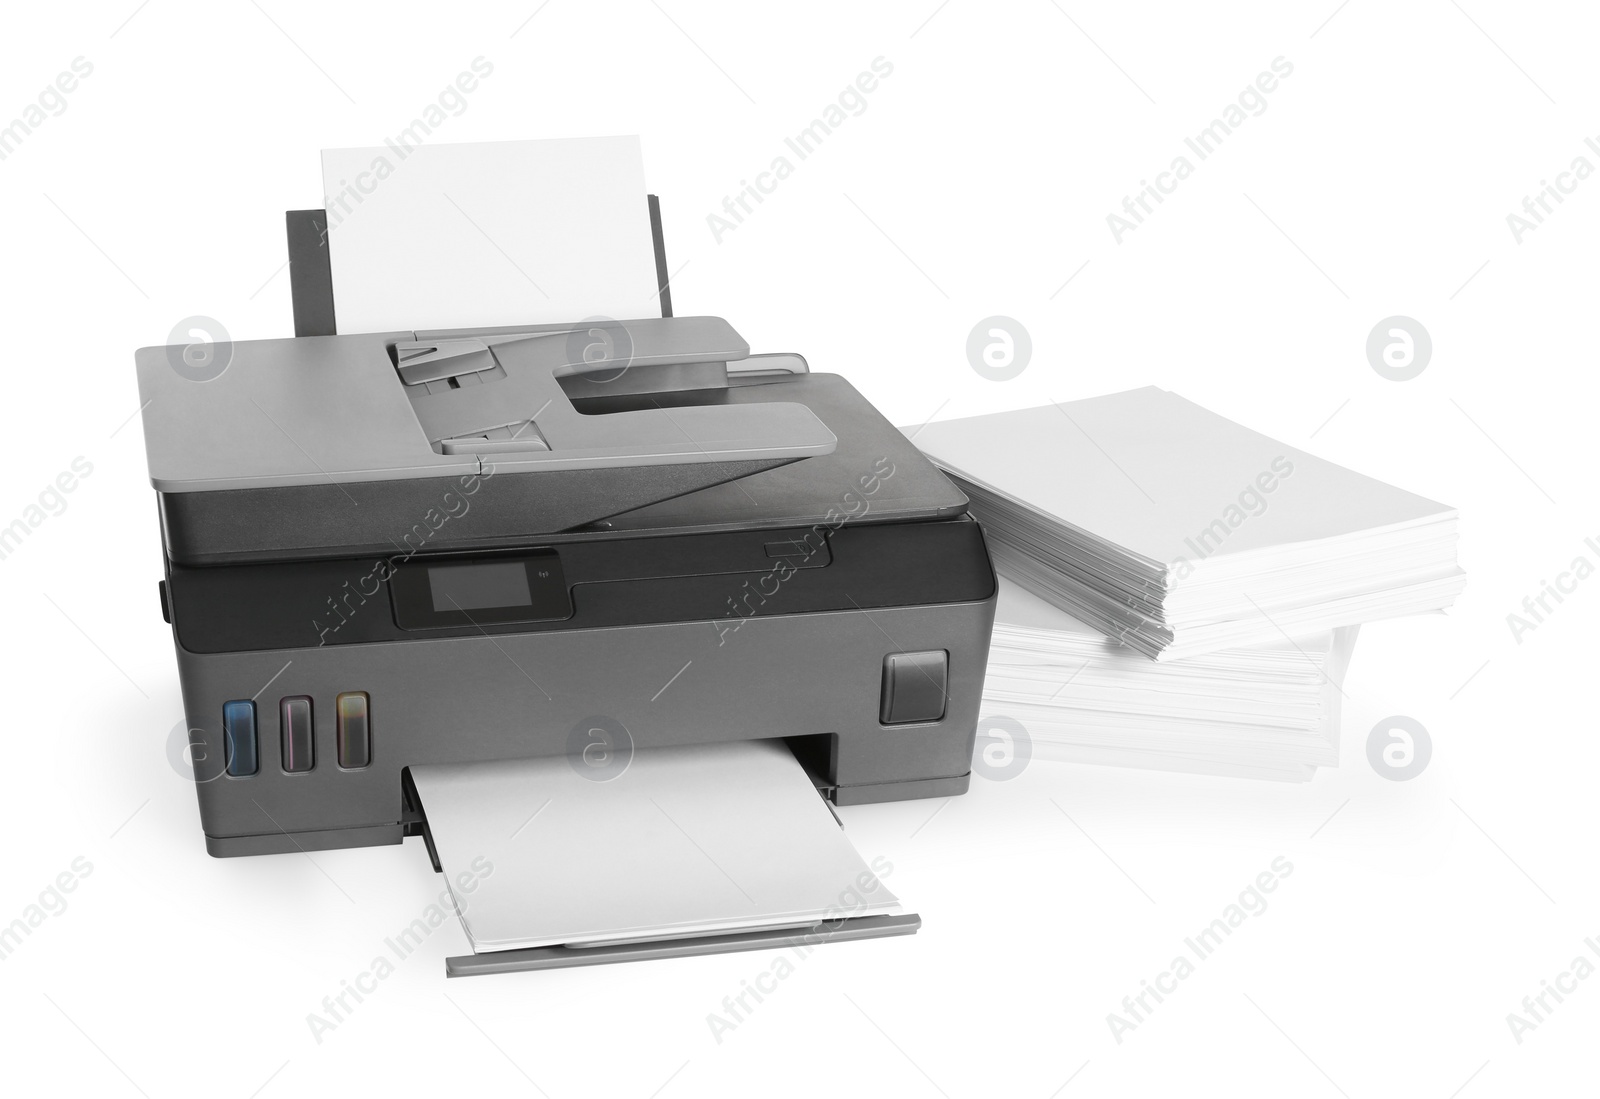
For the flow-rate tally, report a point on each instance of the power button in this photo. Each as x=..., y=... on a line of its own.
x=914, y=687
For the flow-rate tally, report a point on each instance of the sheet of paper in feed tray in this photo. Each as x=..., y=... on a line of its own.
x=490, y=233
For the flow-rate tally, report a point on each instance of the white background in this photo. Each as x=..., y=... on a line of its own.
x=1377, y=182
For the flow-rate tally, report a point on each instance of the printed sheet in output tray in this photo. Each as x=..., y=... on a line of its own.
x=687, y=841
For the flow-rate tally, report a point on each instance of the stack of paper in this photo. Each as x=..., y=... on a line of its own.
x=1268, y=712
x=685, y=842
x=1182, y=533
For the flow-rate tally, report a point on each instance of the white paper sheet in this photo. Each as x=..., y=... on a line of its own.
x=1148, y=471
x=493, y=233
x=687, y=841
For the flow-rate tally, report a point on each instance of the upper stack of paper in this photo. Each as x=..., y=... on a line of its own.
x=1180, y=533
x=495, y=233
x=686, y=842
x=1269, y=712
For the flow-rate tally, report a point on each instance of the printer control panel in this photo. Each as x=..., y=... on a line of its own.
x=469, y=591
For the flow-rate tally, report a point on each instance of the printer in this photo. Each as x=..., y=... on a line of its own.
x=397, y=549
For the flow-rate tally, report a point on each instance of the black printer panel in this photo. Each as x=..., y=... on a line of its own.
x=581, y=585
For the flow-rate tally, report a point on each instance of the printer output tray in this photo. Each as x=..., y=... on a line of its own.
x=560, y=957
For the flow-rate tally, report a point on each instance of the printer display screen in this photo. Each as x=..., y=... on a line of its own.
x=465, y=591
x=473, y=587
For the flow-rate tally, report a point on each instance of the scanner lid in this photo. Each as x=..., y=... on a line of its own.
x=392, y=406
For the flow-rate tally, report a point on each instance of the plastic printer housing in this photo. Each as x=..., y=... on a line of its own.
x=393, y=549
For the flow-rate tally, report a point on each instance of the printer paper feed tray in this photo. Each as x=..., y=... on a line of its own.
x=606, y=855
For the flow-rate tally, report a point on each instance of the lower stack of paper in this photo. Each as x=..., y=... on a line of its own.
x=1265, y=712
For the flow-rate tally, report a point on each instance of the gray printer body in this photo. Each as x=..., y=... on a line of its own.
x=407, y=548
